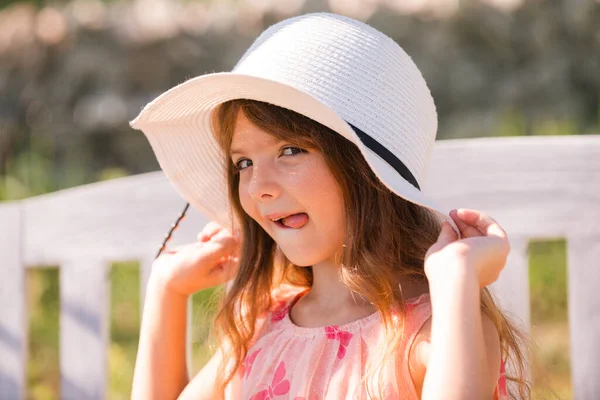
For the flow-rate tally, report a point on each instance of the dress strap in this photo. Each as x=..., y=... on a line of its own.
x=501, y=392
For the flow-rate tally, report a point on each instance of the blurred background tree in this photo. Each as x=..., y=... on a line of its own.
x=73, y=73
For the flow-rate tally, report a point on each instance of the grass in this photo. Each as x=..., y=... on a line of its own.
x=43, y=304
x=551, y=372
x=551, y=367
x=124, y=327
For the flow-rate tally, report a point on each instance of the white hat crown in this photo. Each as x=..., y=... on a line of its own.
x=335, y=70
x=374, y=86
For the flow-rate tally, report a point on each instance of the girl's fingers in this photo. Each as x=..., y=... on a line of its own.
x=172, y=250
x=231, y=243
x=213, y=250
x=227, y=267
x=215, y=235
x=466, y=230
x=485, y=224
x=208, y=231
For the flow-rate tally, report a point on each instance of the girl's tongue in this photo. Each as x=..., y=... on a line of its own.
x=295, y=221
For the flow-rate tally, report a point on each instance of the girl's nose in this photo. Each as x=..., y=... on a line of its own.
x=263, y=184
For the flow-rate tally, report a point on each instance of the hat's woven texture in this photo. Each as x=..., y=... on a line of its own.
x=362, y=74
x=338, y=71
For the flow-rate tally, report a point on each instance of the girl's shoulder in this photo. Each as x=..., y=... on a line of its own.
x=281, y=299
x=418, y=308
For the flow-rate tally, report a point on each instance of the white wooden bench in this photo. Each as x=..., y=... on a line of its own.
x=536, y=187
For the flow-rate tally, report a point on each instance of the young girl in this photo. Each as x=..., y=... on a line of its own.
x=345, y=281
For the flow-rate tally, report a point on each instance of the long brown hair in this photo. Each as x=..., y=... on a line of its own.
x=387, y=239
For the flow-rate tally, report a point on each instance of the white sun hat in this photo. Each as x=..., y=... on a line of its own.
x=333, y=69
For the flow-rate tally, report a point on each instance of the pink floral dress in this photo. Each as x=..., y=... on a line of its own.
x=287, y=361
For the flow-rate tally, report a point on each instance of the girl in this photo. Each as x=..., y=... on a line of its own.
x=345, y=280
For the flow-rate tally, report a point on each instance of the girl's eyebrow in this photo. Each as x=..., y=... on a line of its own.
x=234, y=152
x=271, y=142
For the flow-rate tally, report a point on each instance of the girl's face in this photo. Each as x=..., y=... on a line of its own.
x=278, y=179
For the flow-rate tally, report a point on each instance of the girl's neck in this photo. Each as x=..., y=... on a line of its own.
x=329, y=295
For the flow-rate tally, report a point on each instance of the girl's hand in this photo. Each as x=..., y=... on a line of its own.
x=210, y=261
x=482, y=251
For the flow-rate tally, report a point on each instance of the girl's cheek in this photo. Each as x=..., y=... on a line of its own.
x=309, y=172
x=245, y=201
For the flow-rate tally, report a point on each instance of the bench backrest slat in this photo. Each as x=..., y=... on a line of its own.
x=84, y=328
x=583, y=262
x=13, y=318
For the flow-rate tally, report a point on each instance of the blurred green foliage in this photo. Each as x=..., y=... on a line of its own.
x=548, y=281
x=6, y=3
x=124, y=327
x=46, y=3
x=73, y=73
x=37, y=170
x=44, y=306
x=551, y=369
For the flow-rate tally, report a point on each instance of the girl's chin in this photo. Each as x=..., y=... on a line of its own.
x=302, y=261
x=296, y=258
x=306, y=253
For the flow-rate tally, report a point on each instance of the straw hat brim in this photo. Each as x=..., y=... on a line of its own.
x=178, y=125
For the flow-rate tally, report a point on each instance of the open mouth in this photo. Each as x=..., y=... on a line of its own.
x=294, y=221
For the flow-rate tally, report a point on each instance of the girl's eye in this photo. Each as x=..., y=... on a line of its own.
x=293, y=150
x=242, y=164
x=286, y=151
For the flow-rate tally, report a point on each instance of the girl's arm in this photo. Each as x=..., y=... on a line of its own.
x=459, y=351
x=160, y=367
x=463, y=361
